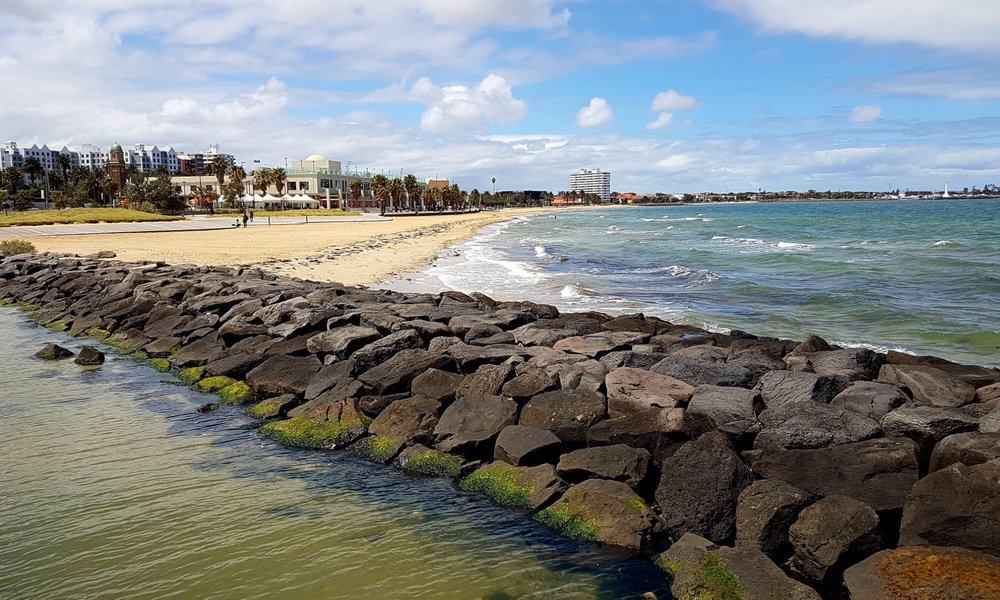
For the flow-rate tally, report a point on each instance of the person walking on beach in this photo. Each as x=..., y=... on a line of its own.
x=251, y=215
x=245, y=219
x=6, y=207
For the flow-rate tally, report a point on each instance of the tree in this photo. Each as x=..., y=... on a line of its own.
x=356, y=188
x=412, y=191
x=237, y=177
x=380, y=188
x=218, y=167
x=65, y=162
x=475, y=198
x=12, y=179
x=396, y=191
x=33, y=167
x=262, y=179
x=278, y=178
x=231, y=191
x=158, y=191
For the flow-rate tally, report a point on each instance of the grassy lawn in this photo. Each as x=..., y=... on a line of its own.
x=300, y=212
x=80, y=215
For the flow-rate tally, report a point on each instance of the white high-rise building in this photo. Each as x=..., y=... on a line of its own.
x=591, y=181
x=88, y=156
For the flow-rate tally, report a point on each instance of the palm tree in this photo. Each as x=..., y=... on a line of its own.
x=262, y=179
x=380, y=188
x=412, y=191
x=356, y=188
x=33, y=167
x=396, y=191
x=278, y=178
x=65, y=162
x=218, y=167
x=474, y=198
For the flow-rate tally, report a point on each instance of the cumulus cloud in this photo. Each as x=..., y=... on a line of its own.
x=676, y=163
x=596, y=114
x=671, y=101
x=664, y=119
x=268, y=99
x=461, y=108
x=963, y=25
x=865, y=114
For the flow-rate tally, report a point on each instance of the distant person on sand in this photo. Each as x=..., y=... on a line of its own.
x=6, y=207
x=245, y=219
x=251, y=215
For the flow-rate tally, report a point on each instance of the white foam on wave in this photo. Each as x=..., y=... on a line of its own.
x=541, y=252
x=759, y=245
x=681, y=272
x=574, y=291
x=945, y=244
x=873, y=347
x=741, y=227
x=613, y=229
x=707, y=220
x=794, y=246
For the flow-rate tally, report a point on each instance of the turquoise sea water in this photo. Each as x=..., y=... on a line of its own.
x=112, y=486
x=919, y=276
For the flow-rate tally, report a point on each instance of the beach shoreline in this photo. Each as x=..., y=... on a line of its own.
x=362, y=253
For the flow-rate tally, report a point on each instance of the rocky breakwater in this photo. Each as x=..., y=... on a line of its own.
x=746, y=467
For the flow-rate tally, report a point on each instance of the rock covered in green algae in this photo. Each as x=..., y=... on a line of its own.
x=377, y=448
x=213, y=384
x=191, y=375
x=603, y=511
x=160, y=364
x=515, y=487
x=89, y=356
x=699, y=570
x=271, y=407
x=237, y=392
x=421, y=460
x=53, y=351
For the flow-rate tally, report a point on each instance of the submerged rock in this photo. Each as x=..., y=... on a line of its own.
x=52, y=351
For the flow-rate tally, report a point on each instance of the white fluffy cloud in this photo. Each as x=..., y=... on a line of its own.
x=461, y=108
x=868, y=113
x=963, y=25
x=671, y=101
x=664, y=119
x=596, y=114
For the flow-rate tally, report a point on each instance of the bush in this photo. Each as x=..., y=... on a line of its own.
x=145, y=207
x=12, y=247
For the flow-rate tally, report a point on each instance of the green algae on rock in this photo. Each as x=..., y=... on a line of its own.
x=569, y=521
x=500, y=483
x=237, y=392
x=97, y=333
x=377, y=448
x=304, y=432
x=421, y=460
x=191, y=375
x=214, y=384
x=160, y=364
x=271, y=407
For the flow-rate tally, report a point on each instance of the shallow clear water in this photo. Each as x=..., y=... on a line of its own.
x=113, y=487
x=920, y=276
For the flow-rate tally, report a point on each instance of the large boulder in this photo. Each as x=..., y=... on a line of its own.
x=470, y=425
x=631, y=358
x=283, y=375
x=879, y=472
x=524, y=446
x=603, y=511
x=700, y=486
x=436, y=385
x=384, y=348
x=660, y=430
x=972, y=448
x=319, y=423
x=700, y=570
x=956, y=506
x=618, y=462
x=783, y=387
x=328, y=377
x=598, y=344
x=812, y=425
x=991, y=422
x=53, y=351
x=925, y=573
x=989, y=393
x=927, y=425
x=342, y=340
x=631, y=390
x=89, y=356
x=407, y=420
x=764, y=513
x=528, y=384
x=395, y=374
x=697, y=372
x=871, y=399
x=929, y=385
x=486, y=381
x=199, y=353
x=853, y=363
x=729, y=408
x=515, y=487
x=831, y=535
x=235, y=365
x=566, y=413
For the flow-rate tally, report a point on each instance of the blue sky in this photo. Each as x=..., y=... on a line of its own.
x=669, y=95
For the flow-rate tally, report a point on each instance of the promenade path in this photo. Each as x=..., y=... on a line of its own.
x=189, y=224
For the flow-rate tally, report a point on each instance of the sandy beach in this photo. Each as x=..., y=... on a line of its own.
x=362, y=253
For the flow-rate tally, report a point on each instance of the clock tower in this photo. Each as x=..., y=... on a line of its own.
x=116, y=167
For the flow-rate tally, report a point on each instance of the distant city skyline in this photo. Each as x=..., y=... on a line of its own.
x=680, y=96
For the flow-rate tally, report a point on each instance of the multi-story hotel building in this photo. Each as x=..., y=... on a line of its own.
x=88, y=156
x=591, y=181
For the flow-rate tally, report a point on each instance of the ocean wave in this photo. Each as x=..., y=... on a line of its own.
x=541, y=252
x=872, y=347
x=574, y=291
x=757, y=244
x=681, y=272
x=946, y=244
x=613, y=229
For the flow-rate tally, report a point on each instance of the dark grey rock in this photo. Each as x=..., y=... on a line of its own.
x=812, y=425
x=700, y=486
x=471, y=425
x=52, y=351
x=521, y=445
x=661, y=431
x=437, y=385
x=89, y=356
x=396, y=373
x=730, y=409
x=831, y=535
x=384, y=348
x=697, y=372
x=528, y=384
x=764, y=513
x=342, y=341
x=283, y=375
x=568, y=414
x=408, y=420
x=955, y=506
x=604, y=511
x=878, y=472
x=929, y=385
x=618, y=462
x=486, y=381
x=871, y=399
x=782, y=387
x=631, y=390
x=972, y=448
x=927, y=425
x=329, y=376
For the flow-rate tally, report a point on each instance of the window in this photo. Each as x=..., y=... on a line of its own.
x=305, y=186
x=291, y=185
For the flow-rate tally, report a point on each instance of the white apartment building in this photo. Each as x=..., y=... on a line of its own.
x=591, y=181
x=90, y=156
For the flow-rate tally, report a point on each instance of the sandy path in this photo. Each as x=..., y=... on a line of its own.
x=351, y=253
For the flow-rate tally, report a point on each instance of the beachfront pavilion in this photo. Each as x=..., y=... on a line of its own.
x=329, y=182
